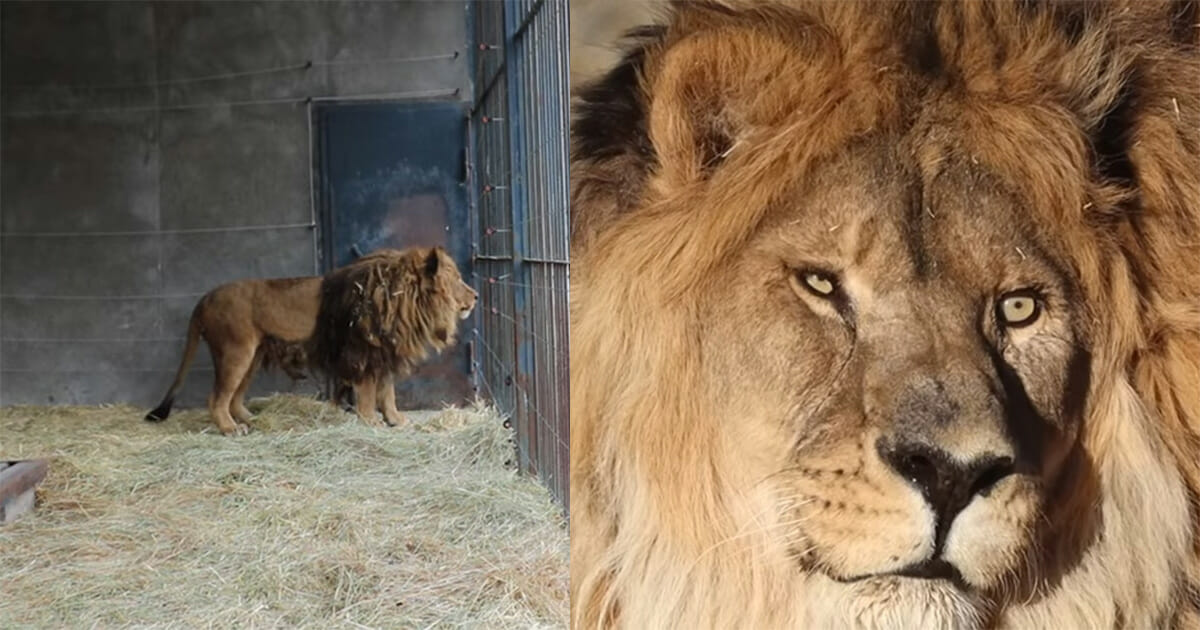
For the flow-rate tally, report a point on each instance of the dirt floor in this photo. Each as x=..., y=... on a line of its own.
x=314, y=520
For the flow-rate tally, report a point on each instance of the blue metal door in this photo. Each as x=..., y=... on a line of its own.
x=393, y=175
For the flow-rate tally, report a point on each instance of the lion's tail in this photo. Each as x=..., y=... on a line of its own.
x=163, y=409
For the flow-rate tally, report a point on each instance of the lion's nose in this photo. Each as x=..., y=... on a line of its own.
x=948, y=484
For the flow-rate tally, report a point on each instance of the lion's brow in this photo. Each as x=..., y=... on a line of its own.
x=912, y=227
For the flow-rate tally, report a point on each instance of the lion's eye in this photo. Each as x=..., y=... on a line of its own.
x=1019, y=309
x=818, y=283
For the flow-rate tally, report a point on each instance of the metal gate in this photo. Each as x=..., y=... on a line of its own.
x=391, y=176
x=519, y=201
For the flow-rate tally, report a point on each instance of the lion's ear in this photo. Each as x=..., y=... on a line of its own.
x=719, y=80
x=432, y=261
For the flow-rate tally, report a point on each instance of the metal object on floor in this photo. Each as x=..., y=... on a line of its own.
x=18, y=483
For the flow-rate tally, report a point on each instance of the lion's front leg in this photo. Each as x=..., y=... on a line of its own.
x=339, y=395
x=364, y=401
x=386, y=391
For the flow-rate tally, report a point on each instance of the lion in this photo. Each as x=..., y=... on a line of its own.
x=285, y=320
x=887, y=316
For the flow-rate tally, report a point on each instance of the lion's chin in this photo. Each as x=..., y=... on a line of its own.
x=464, y=314
x=890, y=603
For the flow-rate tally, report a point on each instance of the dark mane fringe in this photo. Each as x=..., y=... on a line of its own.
x=609, y=125
x=611, y=112
x=291, y=358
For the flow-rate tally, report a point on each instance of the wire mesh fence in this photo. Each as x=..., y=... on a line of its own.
x=519, y=182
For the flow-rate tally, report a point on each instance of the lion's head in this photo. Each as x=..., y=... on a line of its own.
x=888, y=316
x=441, y=275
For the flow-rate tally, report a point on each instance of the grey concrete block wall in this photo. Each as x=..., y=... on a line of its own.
x=85, y=173
x=114, y=129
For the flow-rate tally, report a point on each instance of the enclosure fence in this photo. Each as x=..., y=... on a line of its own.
x=518, y=127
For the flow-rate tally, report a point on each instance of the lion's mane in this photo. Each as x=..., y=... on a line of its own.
x=385, y=313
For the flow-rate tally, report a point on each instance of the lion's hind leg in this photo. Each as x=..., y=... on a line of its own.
x=231, y=365
x=237, y=407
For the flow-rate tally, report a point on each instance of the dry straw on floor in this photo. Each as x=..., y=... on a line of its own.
x=313, y=521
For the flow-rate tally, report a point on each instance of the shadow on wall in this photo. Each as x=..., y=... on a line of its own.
x=418, y=220
x=596, y=29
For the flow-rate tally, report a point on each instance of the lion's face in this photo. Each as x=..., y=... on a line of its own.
x=907, y=354
x=465, y=297
x=448, y=280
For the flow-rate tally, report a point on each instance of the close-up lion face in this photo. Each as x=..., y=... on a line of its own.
x=917, y=371
x=885, y=315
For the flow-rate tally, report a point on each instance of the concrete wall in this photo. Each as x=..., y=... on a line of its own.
x=130, y=185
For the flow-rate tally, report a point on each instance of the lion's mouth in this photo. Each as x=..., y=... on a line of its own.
x=465, y=313
x=935, y=569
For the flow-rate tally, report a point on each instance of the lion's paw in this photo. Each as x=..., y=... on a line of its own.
x=374, y=420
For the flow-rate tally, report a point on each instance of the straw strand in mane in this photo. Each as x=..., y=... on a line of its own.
x=384, y=314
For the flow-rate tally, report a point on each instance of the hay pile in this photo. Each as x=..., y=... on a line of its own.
x=313, y=521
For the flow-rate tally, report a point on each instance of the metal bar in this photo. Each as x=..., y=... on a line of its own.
x=392, y=96
x=541, y=261
x=290, y=100
x=472, y=149
x=515, y=60
x=138, y=340
x=212, y=230
x=529, y=15
x=312, y=195
x=160, y=296
x=102, y=370
x=233, y=75
x=487, y=89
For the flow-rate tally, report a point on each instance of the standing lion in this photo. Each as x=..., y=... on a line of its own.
x=886, y=315
x=389, y=308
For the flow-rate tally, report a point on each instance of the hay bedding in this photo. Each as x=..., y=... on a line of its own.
x=313, y=521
